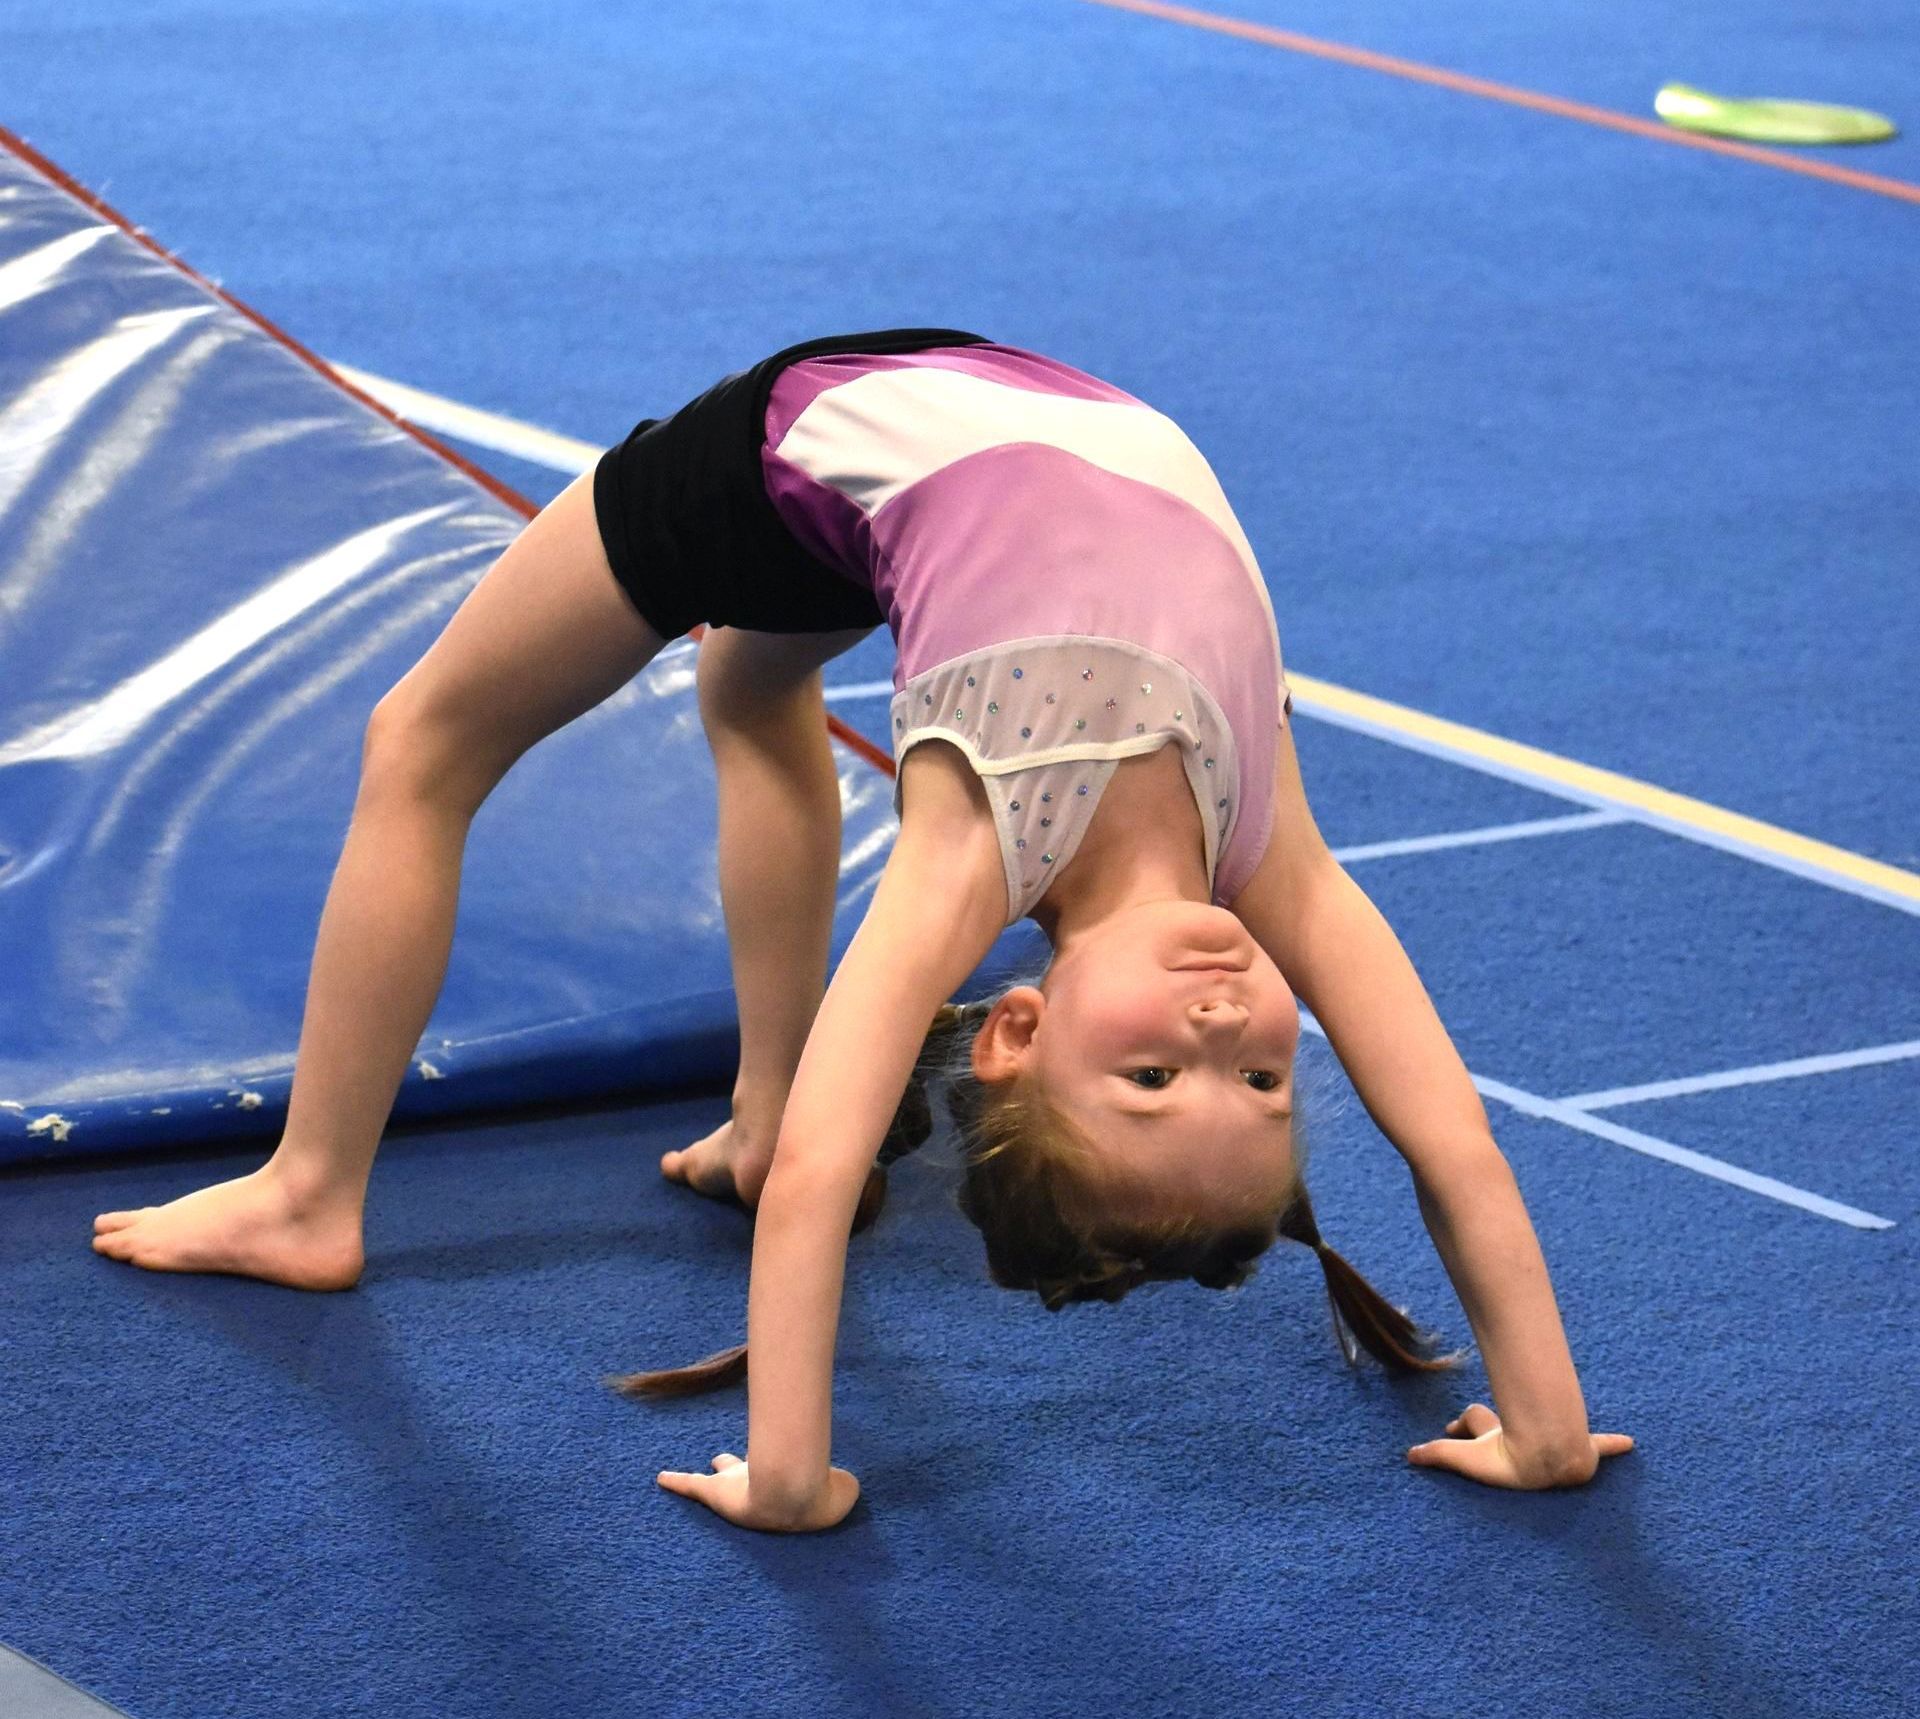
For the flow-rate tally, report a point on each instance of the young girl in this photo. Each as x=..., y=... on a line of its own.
x=1080, y=620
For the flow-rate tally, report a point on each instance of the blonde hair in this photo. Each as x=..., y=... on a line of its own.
x=1032, y=1184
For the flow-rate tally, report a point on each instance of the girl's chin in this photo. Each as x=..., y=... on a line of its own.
x=1215, y=926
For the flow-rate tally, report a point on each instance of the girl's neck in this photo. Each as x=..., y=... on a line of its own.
x=1133, y=853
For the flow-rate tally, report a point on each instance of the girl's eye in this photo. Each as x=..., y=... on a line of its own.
x=1264, y=1080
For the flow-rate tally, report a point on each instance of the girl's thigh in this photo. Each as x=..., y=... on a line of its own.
x=743, y=674
x=545, y=636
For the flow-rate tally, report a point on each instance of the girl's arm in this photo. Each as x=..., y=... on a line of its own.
x=939, y=906
x=1344, y=962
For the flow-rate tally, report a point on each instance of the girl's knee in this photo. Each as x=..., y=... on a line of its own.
x=408, y=753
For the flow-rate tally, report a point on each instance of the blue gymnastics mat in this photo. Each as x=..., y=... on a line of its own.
x=213, y=561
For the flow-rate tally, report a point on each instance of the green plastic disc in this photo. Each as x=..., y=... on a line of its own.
x=1764, y=120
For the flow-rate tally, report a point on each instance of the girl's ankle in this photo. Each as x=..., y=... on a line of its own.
x=756, y=1116
x=312, y=1190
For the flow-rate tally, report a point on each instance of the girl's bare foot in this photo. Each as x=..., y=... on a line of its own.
x=730, y=1163
x=253, y=1226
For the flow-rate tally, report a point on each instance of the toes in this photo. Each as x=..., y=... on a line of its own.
x=691, y=1169
x=107, y=1221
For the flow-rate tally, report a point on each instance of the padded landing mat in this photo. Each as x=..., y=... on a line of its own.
x=214, y=560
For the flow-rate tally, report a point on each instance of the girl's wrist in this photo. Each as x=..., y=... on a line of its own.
x=1562, y=1456
x=785, y=1502
x=803, y=1510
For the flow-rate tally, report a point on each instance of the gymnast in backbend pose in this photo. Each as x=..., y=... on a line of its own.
x=1080, y=621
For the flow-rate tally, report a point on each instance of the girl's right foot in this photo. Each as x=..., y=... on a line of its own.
x=250, y=1227
x=731, y=1163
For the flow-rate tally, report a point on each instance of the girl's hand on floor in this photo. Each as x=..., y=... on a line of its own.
x=725, y=1493
x=1477, y=1448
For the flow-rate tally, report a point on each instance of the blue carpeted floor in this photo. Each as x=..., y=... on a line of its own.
x=1594, y=443
x=416, y=1498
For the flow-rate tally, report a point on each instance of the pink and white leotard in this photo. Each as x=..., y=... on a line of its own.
x=1065, y=583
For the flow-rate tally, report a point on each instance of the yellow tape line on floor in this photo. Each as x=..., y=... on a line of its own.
x=1586, y=781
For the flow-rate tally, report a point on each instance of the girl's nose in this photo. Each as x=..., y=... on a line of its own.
x=1219, y=1014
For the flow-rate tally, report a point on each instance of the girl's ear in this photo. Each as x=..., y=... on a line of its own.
x=1003, y=1043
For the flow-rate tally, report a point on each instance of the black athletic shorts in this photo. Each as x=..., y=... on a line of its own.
x=683, y=510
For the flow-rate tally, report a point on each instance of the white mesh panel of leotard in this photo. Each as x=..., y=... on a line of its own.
x=1044, y=722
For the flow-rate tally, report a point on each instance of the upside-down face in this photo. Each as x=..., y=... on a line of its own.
x=1168, y=1035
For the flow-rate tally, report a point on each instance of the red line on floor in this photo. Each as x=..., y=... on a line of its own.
x=1656, y=130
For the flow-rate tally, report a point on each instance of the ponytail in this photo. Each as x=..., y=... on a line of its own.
x=727, y=1367
x=1359, y=1310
